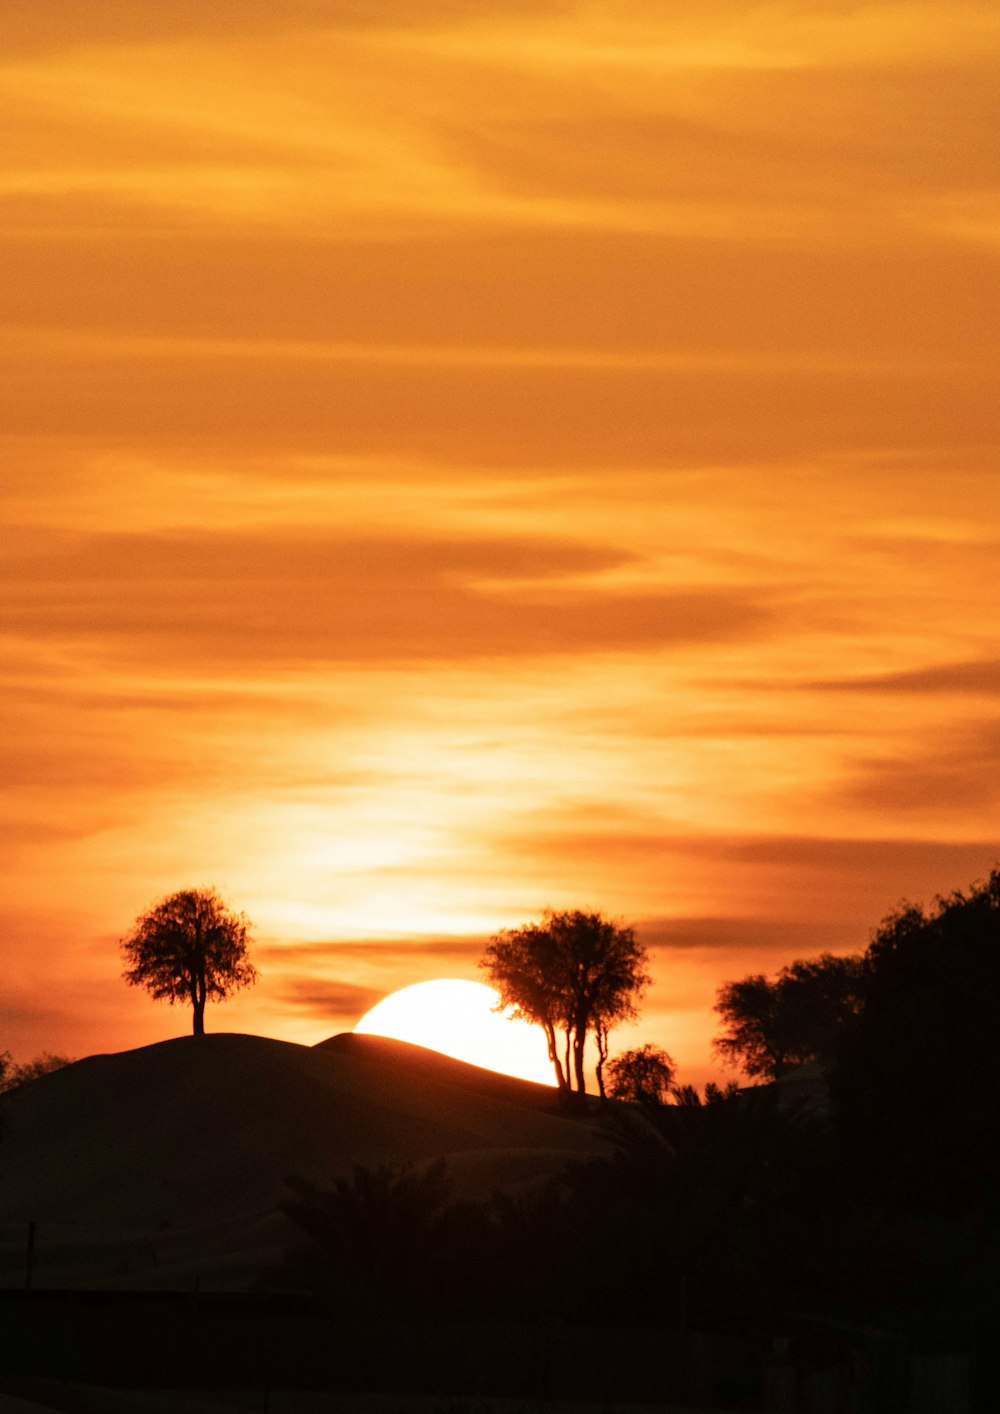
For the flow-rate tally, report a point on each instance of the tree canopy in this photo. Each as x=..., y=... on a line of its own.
x=916, y=1086
x=189, y=948
x=906, y=1033
x=12, y=1075
x=573, y=973
x=793, y=1019
x=645, y=1075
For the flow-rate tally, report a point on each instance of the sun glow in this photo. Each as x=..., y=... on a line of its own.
x=458, y=1019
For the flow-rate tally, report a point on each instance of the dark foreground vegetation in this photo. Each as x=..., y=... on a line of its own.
x=12, y=1075
x=749, y=1217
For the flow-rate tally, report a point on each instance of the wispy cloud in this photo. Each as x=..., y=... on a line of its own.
x=978, y=678
x=270, y=598
x=317, y=998
x=948, y=774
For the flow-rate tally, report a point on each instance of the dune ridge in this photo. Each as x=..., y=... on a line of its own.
x=146, y=1164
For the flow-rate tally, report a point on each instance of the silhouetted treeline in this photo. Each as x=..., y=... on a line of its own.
x=906, y=1035
x=903, y=1038
x=915, y=1081
x=12, y=1075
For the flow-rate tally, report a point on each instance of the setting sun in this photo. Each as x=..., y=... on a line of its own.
x=458, y=1019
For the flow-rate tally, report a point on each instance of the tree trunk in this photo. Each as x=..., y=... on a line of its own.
x=579, y=1041
x=199, y=993
x=601, y=1036
x=562, y=1077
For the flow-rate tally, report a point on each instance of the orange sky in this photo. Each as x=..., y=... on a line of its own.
x=462, y=459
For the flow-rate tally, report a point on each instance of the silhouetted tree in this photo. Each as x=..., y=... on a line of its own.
x=188, y=948
x=12, y=1075
x=916, y=1085
x=715, y=1094
x=644, y=1075
x=793, y=1020
x=602, y=1039
x=524, y=966
x=574, y=972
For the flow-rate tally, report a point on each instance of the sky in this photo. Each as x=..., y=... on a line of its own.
x=459, y=460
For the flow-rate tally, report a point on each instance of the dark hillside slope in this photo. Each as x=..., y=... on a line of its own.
x=421, y=1063
x=199, y=1134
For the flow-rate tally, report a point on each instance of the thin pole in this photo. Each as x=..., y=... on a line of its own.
x=29, y=1256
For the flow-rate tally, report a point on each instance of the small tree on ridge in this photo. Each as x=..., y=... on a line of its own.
x=189, y=948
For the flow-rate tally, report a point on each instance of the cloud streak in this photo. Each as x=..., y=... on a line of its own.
x=268, y=598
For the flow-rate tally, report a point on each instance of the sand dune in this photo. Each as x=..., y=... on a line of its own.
x=149, y=1165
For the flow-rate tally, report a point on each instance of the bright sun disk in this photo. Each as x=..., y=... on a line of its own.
x=458, y=1019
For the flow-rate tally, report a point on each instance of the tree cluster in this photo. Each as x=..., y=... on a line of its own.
x=574, y=974
x=646, y=1076
x=12, y=1075
x=906, y=1036
x=915, y=1084
x=798, y=1017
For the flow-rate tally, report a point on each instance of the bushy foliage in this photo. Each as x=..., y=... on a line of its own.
x=12, y=1075
x=798, y=1017
x=189, y=948
x=906, y=1036
x=643, y=1075
x=714, y=1094
x=916, y=1085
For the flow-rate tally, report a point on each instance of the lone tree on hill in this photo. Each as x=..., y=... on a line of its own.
x=189, y=948
x=574, y=973
x=645, y=1075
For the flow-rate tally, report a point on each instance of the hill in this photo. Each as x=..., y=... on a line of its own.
x=167, y=1164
